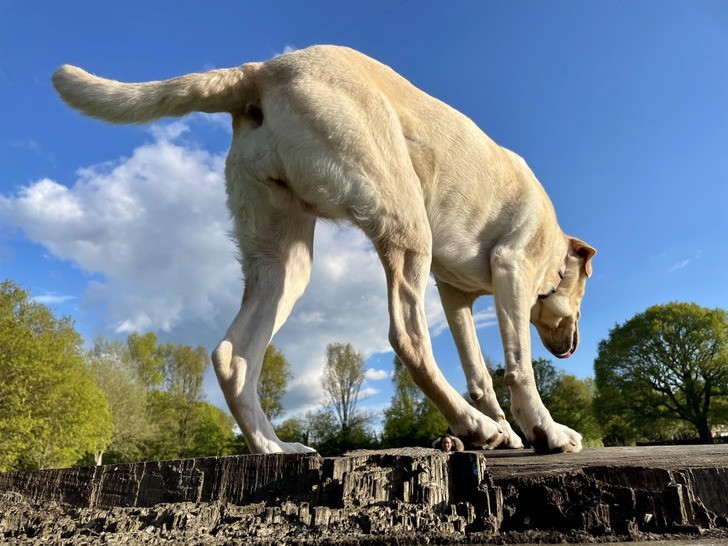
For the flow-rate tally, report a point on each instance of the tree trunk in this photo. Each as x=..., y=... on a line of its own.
x=703, y=429
x=98, y=457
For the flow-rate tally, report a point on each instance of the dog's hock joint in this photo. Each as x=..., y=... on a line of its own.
x=222, y=358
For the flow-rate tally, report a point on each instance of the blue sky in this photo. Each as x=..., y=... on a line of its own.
x=619, y=107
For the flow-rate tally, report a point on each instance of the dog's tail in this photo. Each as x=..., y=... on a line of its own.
x=224, y=90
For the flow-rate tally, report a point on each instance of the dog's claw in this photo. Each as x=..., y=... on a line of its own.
x=479, y=431
x=494, y=441
x=512, y=440
x=295, y=447
x=555, y=438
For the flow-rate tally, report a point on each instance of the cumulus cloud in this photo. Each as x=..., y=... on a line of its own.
x=220, y=120
x=367, y=392
x=153, y=228
x=153, y=225
x=376, y=375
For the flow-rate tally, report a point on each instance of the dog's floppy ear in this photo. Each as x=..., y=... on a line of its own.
x=584, y=251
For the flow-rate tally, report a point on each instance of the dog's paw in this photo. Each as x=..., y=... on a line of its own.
x=478, y=430
x=295, y=447
x=554, y=438
x=513, y=440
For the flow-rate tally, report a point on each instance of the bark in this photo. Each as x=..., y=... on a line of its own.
x=377, y=497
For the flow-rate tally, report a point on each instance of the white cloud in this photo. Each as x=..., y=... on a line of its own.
x=153, y=229
x=376, y=375
x=436, y=315
x=680, y=265
x=153, y=225
x=220, y=120
x=367, y=393
x=25, y=144
x=167, y=132
x=485, y=318
x=288, y=49
x=51, y=298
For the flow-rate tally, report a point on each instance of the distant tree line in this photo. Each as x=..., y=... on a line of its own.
x=661, y=376
x=61, y=404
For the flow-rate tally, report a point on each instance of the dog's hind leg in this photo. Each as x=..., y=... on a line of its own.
x=458, y=306
x=276, y=246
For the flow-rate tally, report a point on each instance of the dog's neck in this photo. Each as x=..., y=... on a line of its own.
x=556, y=270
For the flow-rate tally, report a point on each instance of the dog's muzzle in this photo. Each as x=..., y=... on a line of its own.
x=572, y=350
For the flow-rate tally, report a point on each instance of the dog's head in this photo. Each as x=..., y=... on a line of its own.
x=556, y=313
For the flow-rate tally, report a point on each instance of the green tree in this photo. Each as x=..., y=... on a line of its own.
x=51, y=411
x=342, y=381
x=665, y=366
x=323, y=432
x=341, y=426
x=185, y=369
x=172, y=405
x=292, y=430
x=411, y=419
x=186, y=425
x=149, y=358
x=165, y=444
x=116, y=375
x=571, y=403
x=545, y=374
x=211, y=432
x=274, y=377
x=569, y=400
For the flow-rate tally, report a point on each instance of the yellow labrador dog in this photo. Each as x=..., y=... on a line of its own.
x=327, y=132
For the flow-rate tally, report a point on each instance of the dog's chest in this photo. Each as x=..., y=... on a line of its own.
x=470, y=275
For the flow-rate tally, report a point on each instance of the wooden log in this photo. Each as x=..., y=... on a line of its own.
x=373, y=497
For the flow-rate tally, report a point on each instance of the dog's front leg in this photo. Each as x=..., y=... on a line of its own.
x=512, y=292
x=458, y=306
x=407, y=273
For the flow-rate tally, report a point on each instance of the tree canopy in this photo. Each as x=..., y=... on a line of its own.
x=185, y=424
x=664, y=368
x=568, y=399
x=116, y=375
x=342, y=381
x=662, y=375
x=274, y=377
x=411, y=419
x=341, y=426
x=51, y=410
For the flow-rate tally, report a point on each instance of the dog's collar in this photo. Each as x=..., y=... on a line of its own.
x=555, y=288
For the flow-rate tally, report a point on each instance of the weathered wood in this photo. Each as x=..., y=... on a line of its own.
x=372, y=497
